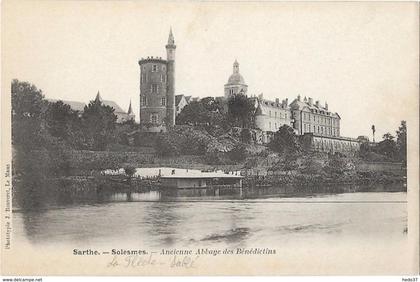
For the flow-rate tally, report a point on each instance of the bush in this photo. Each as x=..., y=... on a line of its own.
x=238, y=153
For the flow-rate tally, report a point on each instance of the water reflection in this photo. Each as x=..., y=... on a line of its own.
x=234, y=223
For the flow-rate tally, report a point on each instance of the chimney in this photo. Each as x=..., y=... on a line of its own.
x=310, y=101
x=317, y=103
x=298, y=97
x=287, y=101
x=326, y=105
x=277, y=101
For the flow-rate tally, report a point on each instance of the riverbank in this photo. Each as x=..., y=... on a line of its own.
x=75, y=176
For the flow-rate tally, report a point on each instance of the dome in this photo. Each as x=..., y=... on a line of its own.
x=236, y=78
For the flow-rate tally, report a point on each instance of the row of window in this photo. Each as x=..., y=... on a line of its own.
x=319, y=119
x=275, y=115
x=320, y=130
x=144, y=78
x=143, y=101
x=334, y=144
x=155, y=68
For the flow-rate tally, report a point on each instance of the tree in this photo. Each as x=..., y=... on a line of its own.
x=402, y=141
x=285, y=141
x=336, y=164
x=238, y=153
x=387, y=147
x=207, y=111
x=287, y=163
x=241, y=110
x=28, y=107
x=388, y=136
x=61, y=120
x=246, y=135
x=310, y=165
x=98, y=123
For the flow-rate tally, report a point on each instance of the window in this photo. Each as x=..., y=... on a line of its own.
x=155, y=88
x=275, y=126
x=270, y=113
x=275, y=114
x=269, y=125
x=154, y=68
x=163, y=101
x=154, y=118
x=231, y=91
x=163, y=78
x=143, y=79
x=143, y=101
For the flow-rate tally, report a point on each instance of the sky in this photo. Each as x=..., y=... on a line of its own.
x=362, y=58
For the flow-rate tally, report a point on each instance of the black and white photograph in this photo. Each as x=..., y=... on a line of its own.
x=209, y=138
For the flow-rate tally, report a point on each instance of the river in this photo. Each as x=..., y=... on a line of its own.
x=153, y=220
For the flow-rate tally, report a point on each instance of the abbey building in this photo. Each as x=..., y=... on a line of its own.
x=316, y=124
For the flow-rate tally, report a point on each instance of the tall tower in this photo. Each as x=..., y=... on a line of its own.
x=157, y=89
x=170, y=93
x=236, y=83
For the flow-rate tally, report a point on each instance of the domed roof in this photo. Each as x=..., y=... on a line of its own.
x=236, y=77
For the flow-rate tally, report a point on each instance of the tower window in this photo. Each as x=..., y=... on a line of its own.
x=155, y=88
x=143, y=101
x=163, y=101
x=143, y=78
x=154, y=118
x=163, y=78
x=154, y=68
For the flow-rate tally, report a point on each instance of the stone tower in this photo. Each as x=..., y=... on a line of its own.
x=236, y=83
x=157, y=88
x=170, y=57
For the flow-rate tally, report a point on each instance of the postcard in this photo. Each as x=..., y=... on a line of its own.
x=209, y=138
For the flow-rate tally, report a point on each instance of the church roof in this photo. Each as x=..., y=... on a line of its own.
x=74, y=105
x=178, y=99
x=300, y=105
x=236, y=77
x=111, y=104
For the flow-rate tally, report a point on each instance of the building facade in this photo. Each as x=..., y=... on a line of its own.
x=271, y=115
x=236, y=83
x=157, y=88
x=310, y=117
x=332, y=144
